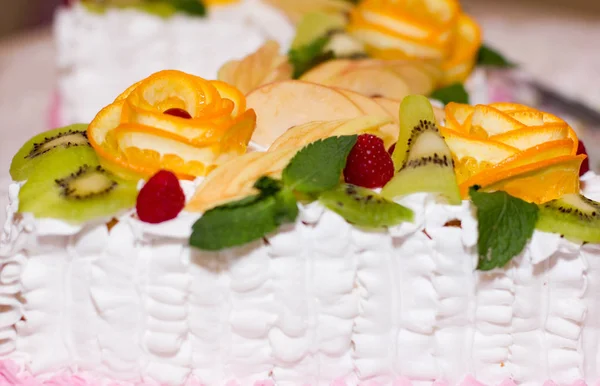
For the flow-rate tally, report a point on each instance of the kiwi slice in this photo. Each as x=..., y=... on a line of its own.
x=573, y=215
x=363, y=207
x=66, y=188
x=422, y=156
x=39, y=148
x=315, y=25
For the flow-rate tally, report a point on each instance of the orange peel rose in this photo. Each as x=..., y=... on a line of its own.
x=528, y=153
x=175, y=121
x=419, y=29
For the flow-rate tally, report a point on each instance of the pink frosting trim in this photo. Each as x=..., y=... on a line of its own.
x=12, y=374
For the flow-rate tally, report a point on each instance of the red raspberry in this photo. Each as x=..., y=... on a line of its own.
x=369, y=165
x=585, y=165
x=160, y=199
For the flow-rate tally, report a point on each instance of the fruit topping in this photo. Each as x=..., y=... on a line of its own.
x=235, y=179
x=296, y=10
x=572, y=215
x=418, y=30
x=174, y=121
x=422, y=157
x=369, y=165
x=72, y=186
x=44, y=145
x=528, y=153
x=264, y=66
x=371, y=77
x=177, y=112
x=585, y=165
x=363, y=207
x=160, y=199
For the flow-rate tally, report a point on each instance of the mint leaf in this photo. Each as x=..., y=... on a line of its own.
x=453, y=93
x=308, y=56
x=487, y=56
x=506, y=224
x=267, y=185
x=243, y=221
x=191, y=7
x=318, y=167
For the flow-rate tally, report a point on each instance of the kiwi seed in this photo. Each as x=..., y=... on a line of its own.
x=86, y=182
x=66, y=139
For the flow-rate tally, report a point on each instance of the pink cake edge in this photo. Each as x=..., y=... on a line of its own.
x=13, y=374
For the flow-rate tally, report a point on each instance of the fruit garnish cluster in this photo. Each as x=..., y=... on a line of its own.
x=519, y=166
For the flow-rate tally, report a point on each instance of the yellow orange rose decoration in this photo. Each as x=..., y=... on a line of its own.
x=511, y=147
x=175, y=121
x=435, y=30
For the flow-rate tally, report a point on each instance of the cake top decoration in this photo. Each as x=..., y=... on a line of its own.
x=172, y=120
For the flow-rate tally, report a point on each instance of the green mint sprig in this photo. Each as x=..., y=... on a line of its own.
x=453, y=93
x=309, y=56
x=489, y=57
x=313, y=170
x=505, y=225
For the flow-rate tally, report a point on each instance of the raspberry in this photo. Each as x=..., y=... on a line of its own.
x=181, y=113
x=392, y=148
x=369, y=165
x=160, y=199
x=585, y=165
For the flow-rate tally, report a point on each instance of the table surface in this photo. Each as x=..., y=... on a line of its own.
x=557, y=47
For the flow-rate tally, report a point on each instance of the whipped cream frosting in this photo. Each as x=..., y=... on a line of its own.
x=131, y=45
x=318, y=301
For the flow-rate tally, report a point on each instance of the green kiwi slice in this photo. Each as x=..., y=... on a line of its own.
x=44, y=145
x=363, y=207
x=315, y=25
x=421, y=155
x=73, y=187
x=573, y=215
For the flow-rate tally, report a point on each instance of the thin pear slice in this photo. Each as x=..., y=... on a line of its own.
x=426, y=160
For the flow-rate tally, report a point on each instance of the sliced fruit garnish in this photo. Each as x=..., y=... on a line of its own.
x=424, y=158
x=537, y=182
x=493, y=121
x=472, y=155
x=458, y=116
x=300, y=136
x=572, y=215
x=532, y=136
x=528, y=117
x=363, y=207
x=295, y=9
x=464, y=51
x=235, y=179
x=139, y=133
x=264, y=66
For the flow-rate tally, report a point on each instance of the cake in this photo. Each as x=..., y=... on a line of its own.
x=306, y=219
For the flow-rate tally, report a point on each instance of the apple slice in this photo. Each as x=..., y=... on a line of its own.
x=372, y=81
x=327, y=70
x=282, y=105
x=532, y=136
x=300, y=136
x=419, y=80
x=235, y=179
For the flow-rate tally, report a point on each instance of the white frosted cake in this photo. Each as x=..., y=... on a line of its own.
x=306, y=219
